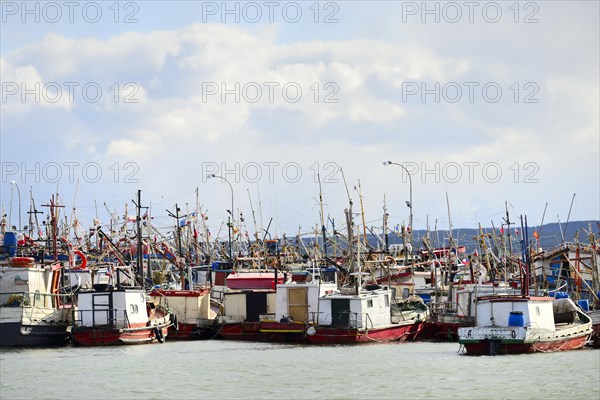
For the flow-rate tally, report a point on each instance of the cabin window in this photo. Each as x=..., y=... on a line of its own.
x=369, y=303
x=537, y=310
x=387, y=300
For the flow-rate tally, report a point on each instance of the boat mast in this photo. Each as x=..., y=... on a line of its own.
x=385, y=225
x=53, y=223
x=322, y=216
x=138, y=222
x=362, y=214
x=33, y=212
x=569, y=215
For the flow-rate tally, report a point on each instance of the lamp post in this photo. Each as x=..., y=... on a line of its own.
x=410, y=202
x=19, y=194
x=231, y=216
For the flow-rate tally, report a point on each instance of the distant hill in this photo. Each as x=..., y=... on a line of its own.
x=551, y=234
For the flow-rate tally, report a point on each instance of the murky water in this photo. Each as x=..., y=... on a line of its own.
x=224, y=370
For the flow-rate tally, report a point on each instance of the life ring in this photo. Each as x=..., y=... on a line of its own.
x=513, y=334
x=389, y=261
x=159, y=335
x=22, y=262
x=83, y=259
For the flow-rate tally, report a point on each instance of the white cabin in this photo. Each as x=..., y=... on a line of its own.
x=300, y=301
x=495, y=310
x=368, y=309
x=120, y=308
x=248, y=305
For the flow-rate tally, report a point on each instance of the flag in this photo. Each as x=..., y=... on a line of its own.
x=536, y=235
x=517, y=232
x=502, y=231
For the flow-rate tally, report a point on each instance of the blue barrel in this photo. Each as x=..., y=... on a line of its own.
x=516, y=318
x=559, y=295
x=426, y=297
x=10, y=243
x=584, y=304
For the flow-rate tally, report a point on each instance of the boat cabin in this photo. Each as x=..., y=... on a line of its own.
x=515, y=311
x=367, y=309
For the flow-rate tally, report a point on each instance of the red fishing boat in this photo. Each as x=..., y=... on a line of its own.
x=371, y=315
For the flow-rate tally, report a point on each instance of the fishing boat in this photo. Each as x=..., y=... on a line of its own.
x=32, y=311
x=118, y=313
x=355, y=315
x=514, y=324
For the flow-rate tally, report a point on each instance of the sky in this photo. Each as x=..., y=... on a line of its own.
x=484, y=103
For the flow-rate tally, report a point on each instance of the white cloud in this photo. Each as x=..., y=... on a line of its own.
x=175, y=125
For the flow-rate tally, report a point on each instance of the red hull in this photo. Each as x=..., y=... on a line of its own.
x=110, y=337
x=488, y=347
x=184, y=332
x=441, y=331
x=265, y=332
x=350, y=336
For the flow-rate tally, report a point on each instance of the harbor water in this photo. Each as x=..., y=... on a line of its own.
x=242, y=370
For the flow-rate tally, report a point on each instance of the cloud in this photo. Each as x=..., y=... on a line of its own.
x=228, y=93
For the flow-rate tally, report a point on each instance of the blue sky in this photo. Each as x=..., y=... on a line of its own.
x=493, y=103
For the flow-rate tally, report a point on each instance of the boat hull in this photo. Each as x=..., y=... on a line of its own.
x=333, y=335
x=15, y=334
x=498, y=346
x=185, y=332
x=440, y=331
x=263, y=331
x=97, y=336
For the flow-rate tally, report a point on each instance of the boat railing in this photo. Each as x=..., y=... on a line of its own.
x=111, y=318
x=360, y=320
x=445, y=307
x=34, y=299
x=314, y=317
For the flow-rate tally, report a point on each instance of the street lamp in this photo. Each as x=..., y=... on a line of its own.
x=19, y=193
x=409, y=203
x=231, y=223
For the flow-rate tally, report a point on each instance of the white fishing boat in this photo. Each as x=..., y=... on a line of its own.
x=513, y=324
x=112, y=314
x=32, y=312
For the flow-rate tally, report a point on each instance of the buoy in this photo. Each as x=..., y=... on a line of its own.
x=83, y=259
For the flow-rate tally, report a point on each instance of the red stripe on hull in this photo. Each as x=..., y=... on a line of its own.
x=350, y=336
x=487, y=347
